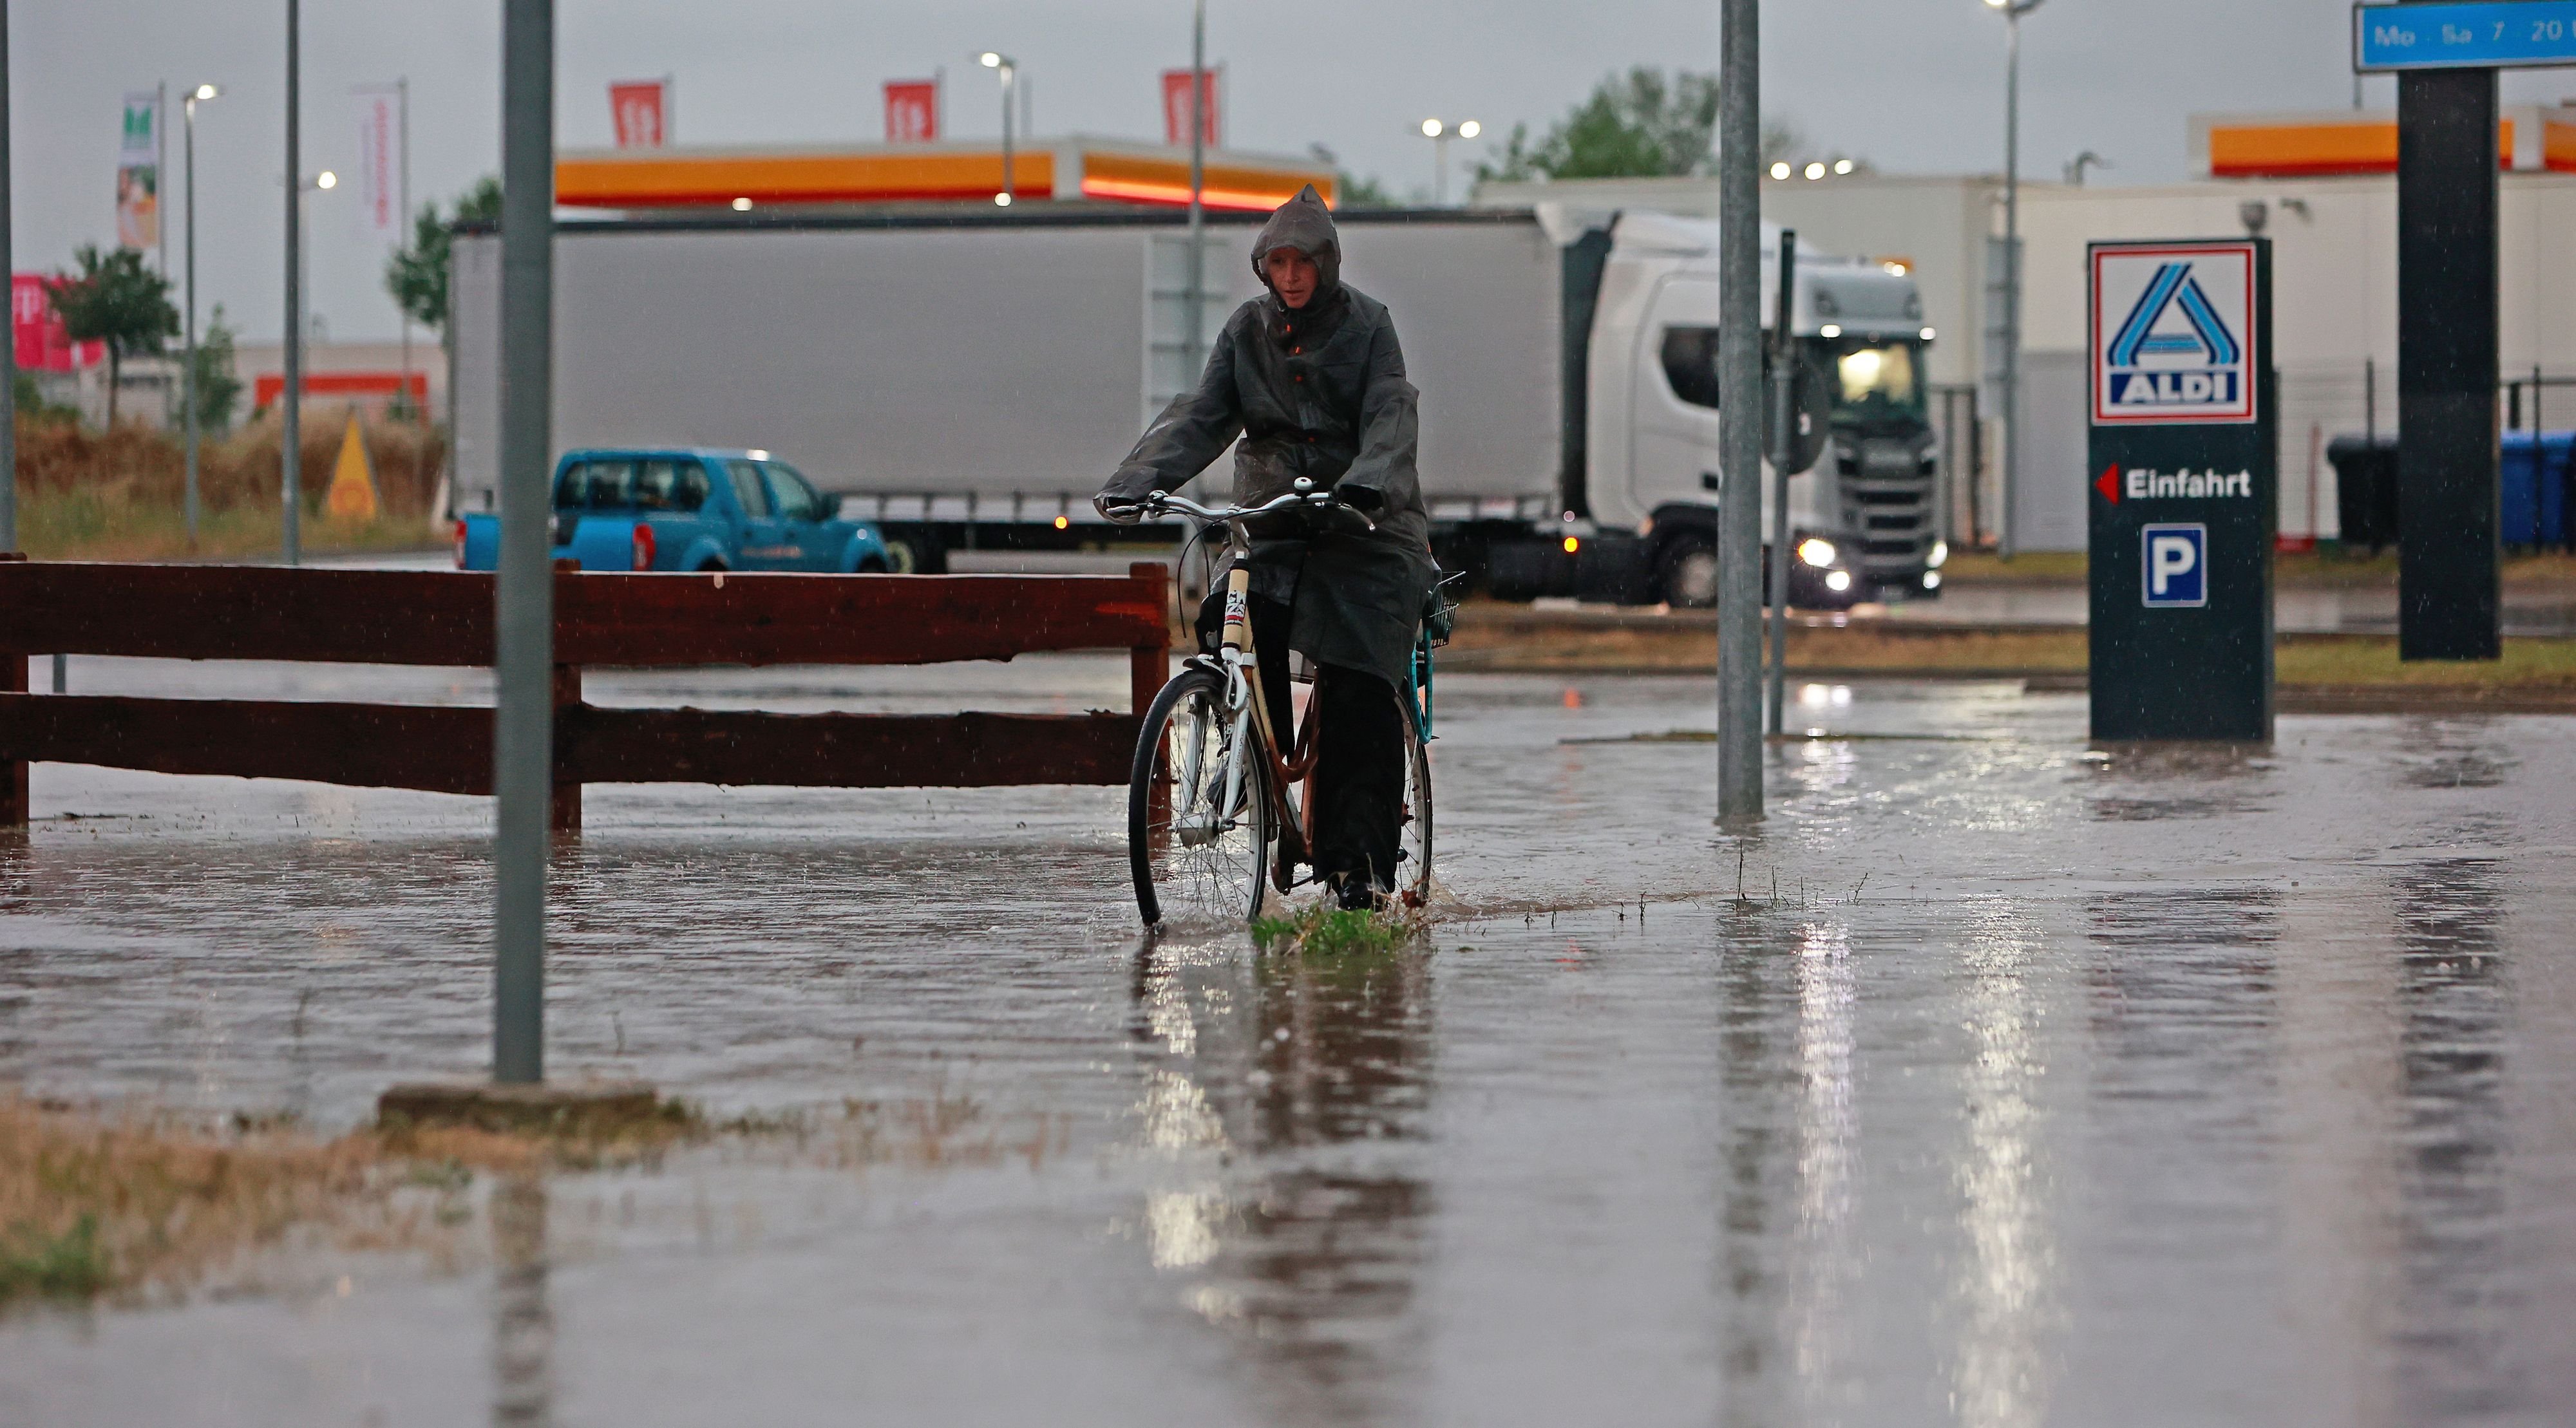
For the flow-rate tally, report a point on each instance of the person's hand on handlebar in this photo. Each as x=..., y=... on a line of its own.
x=1363, y=499
x=1120, y=510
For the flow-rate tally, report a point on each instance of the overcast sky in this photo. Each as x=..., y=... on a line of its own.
x=1913, y=85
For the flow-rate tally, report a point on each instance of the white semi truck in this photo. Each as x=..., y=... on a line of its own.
x=967, y=380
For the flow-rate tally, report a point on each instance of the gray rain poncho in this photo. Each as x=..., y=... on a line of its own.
x=1317, y=392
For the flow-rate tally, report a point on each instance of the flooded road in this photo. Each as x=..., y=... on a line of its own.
x=1996, y=1081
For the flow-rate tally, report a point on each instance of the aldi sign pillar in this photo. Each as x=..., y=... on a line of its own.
x=2183, y=469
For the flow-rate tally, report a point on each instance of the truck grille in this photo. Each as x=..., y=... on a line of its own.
x=1893, y=516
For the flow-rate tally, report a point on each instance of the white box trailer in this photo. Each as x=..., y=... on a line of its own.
x=991, y=371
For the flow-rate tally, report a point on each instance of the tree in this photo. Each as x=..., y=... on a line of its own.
x=218, y=387
x=1637, y=125
x=117, y=301
x=417, y=275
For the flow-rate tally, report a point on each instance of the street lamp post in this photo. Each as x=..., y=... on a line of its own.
x=1194, y=311
x=1009, y=69
x=290, y=456
x=188, y=373
x=2012, y=10
x=1439, y=134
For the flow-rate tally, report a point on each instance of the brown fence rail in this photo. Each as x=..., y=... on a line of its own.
x=627, y=621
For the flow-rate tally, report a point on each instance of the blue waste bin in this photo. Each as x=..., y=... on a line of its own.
x=2535, y=471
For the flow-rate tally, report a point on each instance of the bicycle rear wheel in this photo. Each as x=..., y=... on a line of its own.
x=1199, y=855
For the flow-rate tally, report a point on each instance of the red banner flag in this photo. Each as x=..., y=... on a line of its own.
x=1176, y=107
x=36, y=330
x=912, y=111
x=640, y=109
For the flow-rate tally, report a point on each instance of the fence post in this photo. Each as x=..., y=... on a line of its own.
x=564, y=781
x=13, y=773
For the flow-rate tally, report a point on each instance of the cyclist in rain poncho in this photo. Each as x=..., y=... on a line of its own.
x=1312, y=379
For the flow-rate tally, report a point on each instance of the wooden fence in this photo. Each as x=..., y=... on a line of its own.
x=445, y=618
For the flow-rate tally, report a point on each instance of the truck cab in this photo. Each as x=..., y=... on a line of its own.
x=1863, y=521
x=687, y=510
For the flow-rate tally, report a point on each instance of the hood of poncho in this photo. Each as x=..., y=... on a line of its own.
x=1305, y=224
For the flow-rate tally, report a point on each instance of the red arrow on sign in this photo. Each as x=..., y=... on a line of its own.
x=2109, y=485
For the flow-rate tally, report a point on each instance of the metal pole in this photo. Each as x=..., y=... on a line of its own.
x=8, y=350
x=402, y=105
x=161, y=175
x=1440, y=169
x=1784, y=446
x=1196, y=307
x=2012, y=279
x=291, y=400
x=188, y=377
x=1739, y=380
x=523, y=724
x=1010, y=186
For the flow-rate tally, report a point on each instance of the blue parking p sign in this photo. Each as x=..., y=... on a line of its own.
x=2175, y=566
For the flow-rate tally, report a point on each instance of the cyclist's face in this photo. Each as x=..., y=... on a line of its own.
x=1292, y=275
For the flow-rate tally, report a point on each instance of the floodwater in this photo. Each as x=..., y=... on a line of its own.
x=1995, y=1081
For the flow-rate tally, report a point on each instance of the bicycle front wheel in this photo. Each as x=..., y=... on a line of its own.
x=1413, y=839
x=1198, y=820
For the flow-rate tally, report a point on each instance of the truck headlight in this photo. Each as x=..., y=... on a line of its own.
x=1838, y=581
x=1940, y=554
x=1816, y=550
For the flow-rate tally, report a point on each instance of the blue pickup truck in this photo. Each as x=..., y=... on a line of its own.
x=690, y=510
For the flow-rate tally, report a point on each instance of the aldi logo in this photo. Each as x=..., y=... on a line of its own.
x=2172, y=330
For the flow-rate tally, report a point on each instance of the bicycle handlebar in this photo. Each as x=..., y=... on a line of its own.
x=1161, y=501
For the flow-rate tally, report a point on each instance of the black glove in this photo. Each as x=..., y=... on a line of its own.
x=1119, y=510
x=1359, y=498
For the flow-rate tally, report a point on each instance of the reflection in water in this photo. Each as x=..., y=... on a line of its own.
x=523, y=1322
x=1281, y=1087
x=1998, y=1368
x=1761, y=1009
x=2454, y=1011
x=1825, y=1265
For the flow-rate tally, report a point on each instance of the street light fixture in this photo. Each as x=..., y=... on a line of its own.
x=1009, y=70
x=188, y=373
x=1439, y=133
x=2012, y=11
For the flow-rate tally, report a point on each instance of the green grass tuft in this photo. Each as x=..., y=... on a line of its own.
x=69, y=1265
x=1331, y=931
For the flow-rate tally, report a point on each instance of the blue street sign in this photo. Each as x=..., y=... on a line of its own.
x=2175, y=566
x=2475, y=34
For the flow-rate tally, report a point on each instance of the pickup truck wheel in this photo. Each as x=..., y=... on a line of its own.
x=1686, y=571
x=902, y=559
x=710, y=567
x=872, y=566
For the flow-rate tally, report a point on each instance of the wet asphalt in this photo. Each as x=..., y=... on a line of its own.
x=1996, y=1080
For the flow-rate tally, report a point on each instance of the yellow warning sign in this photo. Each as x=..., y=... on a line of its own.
x=353, y=482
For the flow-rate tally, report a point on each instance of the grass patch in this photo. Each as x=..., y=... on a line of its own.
x=2328, y=567
x=1331, y=931
x=116, y=525
x=68, y=1265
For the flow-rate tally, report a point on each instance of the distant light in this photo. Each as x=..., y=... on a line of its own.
x=205, y=91
x=1838, y=581
x=1572, y=545
x=1892, y=268
x=326, y=179
x=1001, y=200
x=1470, y=129
x=990, y=60
x=1816, y=170
x=1780, y=170
x=1940, y=554
x=1817, y=551
x=1931, y=580
x=1831, y=329
x=1061, y=523
x=742, y=205
x=757, y=455
x=1997, y=4
x=1927, y=334
x=1431, y=128
x=1842, y=166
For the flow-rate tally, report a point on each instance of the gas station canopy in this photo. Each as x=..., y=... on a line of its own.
x=1047, y=169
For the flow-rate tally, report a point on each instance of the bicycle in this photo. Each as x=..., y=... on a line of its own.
x=1216, y=817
